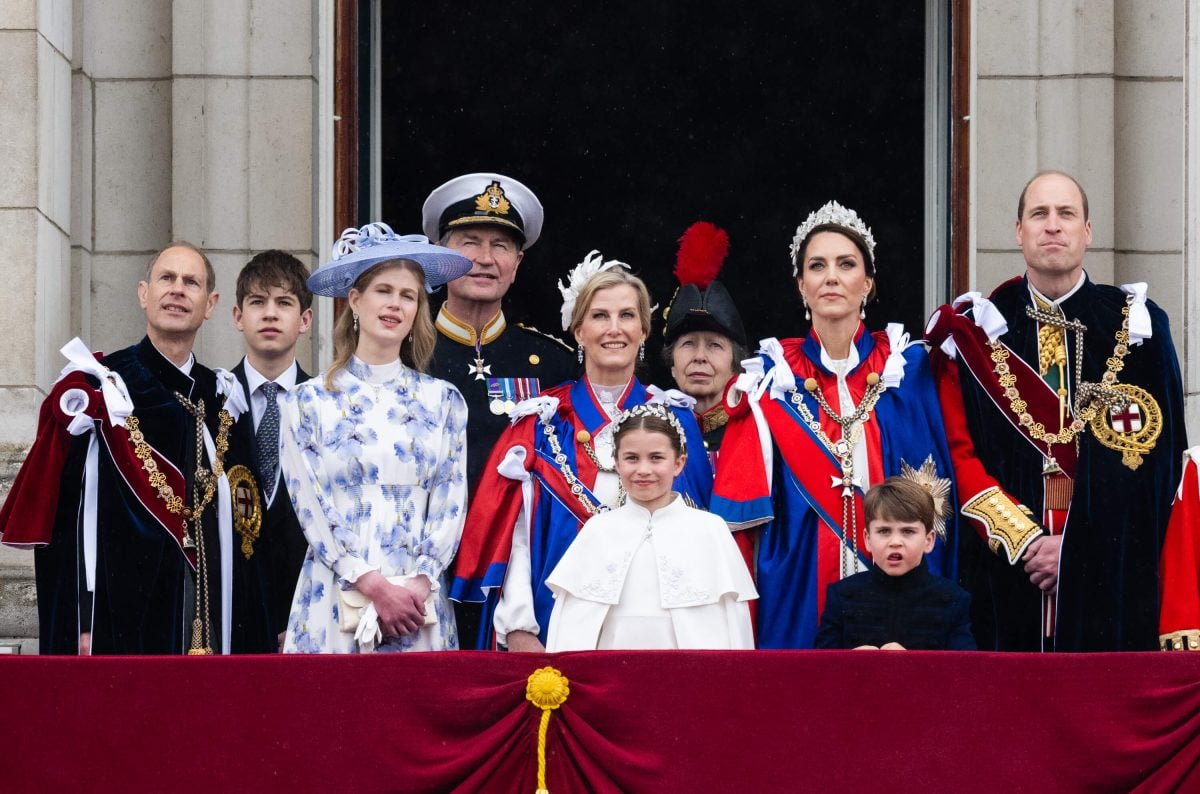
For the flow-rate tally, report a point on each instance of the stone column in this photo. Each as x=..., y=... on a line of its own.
x=35, y=262
x=1148, y=144
x=243, y=143
x=1044, y=99
x=35, y=205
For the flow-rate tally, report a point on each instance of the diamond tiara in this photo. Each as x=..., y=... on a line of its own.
x=833, y=214
x=658, y=410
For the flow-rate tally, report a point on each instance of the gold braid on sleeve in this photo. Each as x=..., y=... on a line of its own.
x=1185, y=640
x=1009, y=525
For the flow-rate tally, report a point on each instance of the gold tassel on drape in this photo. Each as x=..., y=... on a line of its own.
x=547, y=689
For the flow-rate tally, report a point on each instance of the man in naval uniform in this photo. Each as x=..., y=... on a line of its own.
x=491, y=219
x=1064, y=412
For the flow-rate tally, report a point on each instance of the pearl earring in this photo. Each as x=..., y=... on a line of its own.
x=356, y=323
x=579, y=353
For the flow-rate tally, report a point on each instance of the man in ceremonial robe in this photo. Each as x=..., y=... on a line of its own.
x=120, y=494
x=491, y=219
x=1064, y=412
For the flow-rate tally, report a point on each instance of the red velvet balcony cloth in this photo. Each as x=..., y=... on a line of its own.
x=639, y=721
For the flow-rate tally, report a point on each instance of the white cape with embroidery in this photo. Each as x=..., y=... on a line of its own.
x=632, y=579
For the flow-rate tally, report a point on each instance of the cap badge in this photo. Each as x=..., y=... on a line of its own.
x=492, y=200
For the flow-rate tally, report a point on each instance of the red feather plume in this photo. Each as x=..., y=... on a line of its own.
x=702, y=251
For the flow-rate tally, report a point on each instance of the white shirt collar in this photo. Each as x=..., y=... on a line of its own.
x=1057, y=301
x=831, y=363
x=286, y=379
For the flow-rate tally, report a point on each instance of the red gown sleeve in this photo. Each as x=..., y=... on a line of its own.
x=27, y=518
x=487, y=536
x=1179, y=615
x=999, y=519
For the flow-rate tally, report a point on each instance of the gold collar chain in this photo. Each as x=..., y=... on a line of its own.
x=852, y=428
x=158, y=480
x=1089, y=397
x=585, y=438
x=560, y=459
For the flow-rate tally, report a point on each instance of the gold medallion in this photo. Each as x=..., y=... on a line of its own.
x=247, y=507
x=1131, y=429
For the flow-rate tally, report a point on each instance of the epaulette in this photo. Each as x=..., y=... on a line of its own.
x=531, y=330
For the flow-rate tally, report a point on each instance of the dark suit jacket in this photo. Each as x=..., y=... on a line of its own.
x=264, y=583
x=918, y=610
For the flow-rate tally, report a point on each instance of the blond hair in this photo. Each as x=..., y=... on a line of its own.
x=607, y=280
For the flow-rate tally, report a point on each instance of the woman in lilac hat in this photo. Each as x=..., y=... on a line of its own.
x=374, y=452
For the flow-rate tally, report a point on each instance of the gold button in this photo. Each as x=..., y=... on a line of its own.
x=535, y=359
x=583, y=436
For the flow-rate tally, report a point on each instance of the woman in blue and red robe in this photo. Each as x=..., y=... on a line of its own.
x=871, y=395
x=554, y=468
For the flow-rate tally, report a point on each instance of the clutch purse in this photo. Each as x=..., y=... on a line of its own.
x=352, y=604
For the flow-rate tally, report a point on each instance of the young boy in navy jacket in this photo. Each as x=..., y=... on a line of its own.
x=897, y=604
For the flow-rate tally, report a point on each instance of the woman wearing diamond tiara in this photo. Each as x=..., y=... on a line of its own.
x=554, y=468
x=374, y=452
x=655, y=573
x=843, y=408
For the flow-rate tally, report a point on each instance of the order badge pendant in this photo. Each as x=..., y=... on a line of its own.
x=247, y=508
x=1131, y=429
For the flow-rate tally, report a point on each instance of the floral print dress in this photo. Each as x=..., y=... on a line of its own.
x=376, y=470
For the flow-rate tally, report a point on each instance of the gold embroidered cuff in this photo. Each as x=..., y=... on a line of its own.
x=1009, y=525
x=1185, y=640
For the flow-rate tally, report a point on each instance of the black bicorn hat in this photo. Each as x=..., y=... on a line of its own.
x=483, y=199
x=702, y=303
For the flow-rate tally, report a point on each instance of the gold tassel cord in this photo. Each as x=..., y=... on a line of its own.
x=547, y=689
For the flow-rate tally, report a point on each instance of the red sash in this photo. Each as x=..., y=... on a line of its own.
x=1041, y=400
x=35, y=492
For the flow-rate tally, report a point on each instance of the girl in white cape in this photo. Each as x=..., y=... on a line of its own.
x=654, y=573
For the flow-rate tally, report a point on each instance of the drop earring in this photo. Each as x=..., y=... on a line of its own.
x=807, y=314
x=642, y=352
x=862, y=311
x=579, y=353
x=356, y=323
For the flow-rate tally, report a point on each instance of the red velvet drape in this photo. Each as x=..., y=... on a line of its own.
x=646, y=721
